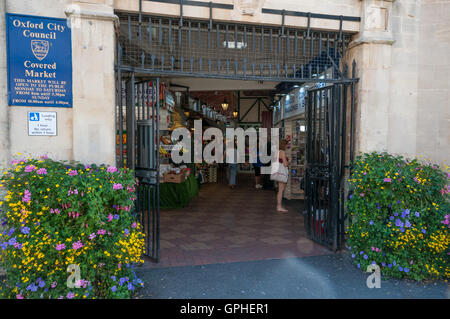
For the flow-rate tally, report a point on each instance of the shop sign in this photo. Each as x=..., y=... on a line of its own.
x=42, y=124
x=39, y=56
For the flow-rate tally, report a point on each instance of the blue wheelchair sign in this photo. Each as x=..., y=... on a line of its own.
x=34, y=116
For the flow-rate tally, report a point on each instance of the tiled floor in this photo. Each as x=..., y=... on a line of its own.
x=229, y=225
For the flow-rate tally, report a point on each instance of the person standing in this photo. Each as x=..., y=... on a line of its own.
x=232, y=167
x=283, y=160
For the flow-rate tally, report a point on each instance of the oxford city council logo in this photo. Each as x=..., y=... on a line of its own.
x=40, y=48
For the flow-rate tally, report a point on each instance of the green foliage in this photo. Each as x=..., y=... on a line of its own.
x=399, y=213
x=56, y=216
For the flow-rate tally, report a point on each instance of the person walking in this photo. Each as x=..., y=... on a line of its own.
x=232, y=167
x=283, y=160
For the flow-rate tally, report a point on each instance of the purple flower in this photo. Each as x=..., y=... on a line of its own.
x=77, y=245
x=126, y=231
x=134, y=225
x=26, y=196
x=116, y=216
x=400, y=268
x=111, y=169
x=11, y=231
x=383, y=264
x=41, y=171
x=365, y=256
x=12, y=241
x=30, y=168
x=72, y=172
x=391, y=218
x=4, y=245
x=358, y=265
x=70, y=295
x=399, y=223
x=361, y=252
x=113, y=288
x=353, y=255
x=41, y=284
x=32, y=287
x=417, y=214
x=371, y=222
x=390, y=265
x=130, y=286
x=117, y=186
x=407, y=224
x=424, y=231
x=25, y=230
x=406, y=269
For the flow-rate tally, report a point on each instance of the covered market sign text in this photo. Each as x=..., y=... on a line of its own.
x=39, y=61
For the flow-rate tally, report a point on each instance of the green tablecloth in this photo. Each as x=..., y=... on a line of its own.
x=173, y=195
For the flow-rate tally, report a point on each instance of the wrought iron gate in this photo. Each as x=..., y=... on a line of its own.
x=152, y=46
x=326, y=155
x=141, y=119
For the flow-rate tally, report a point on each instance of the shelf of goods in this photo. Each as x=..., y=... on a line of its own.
x=294, y=131
x=208, y=172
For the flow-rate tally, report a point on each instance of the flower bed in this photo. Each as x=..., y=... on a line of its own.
x=399, y=214
x=68, y=231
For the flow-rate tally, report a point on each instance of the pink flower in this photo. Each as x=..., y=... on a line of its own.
x=373, y=248
x=365, y=173
x=110, y=217
x=72, y=172
x=92, y=236
x=19, y=296
x=55, y=211
x=101, y=232
x=54, y=284
x=77, y=245
x=41, y=171
x=44, y=156
x=26, y=196
x=387, y=180
x=134, y=225
x=112, y=169
x=362, y=194
x=60, y=247
x=30, y=168
x=117, y=186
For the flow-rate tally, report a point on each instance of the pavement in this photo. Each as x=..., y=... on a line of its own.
x=326, y=276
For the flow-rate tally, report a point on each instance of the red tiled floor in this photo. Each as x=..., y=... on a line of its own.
x=229, y=225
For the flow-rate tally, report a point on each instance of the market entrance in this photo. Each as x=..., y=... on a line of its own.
x=156, y=54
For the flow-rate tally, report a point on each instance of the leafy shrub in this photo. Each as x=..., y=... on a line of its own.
x=399, y=213
x=57, y=216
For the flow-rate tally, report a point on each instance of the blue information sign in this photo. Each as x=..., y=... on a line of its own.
x=39, y=61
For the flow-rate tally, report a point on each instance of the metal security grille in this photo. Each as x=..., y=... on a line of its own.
x=190, y=47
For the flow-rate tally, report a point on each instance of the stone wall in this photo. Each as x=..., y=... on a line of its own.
x=404, y=69
x=86, y=132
